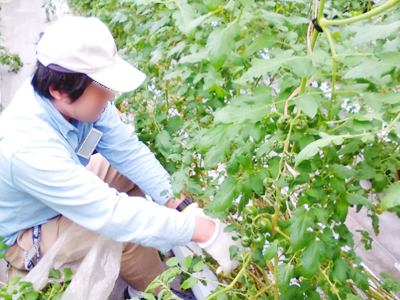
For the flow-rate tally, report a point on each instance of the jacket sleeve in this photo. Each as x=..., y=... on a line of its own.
x=53, y=177
x=131, y=157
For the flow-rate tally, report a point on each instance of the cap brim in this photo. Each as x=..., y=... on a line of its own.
x=120, y=77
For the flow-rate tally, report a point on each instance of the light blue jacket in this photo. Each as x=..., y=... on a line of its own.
x=41, y=176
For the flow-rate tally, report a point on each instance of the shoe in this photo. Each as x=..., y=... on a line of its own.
x=179, y=294
x=126, y=294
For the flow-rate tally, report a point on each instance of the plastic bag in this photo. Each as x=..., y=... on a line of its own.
x=93, y=259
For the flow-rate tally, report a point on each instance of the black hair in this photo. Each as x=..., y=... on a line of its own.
x=73, y=84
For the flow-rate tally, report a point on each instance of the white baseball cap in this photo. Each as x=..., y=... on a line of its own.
x=85, y=45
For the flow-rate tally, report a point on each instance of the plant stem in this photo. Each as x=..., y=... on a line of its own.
x=264, y=290
x=303, y=85
x=240, y=14
x=274, y=226
x=326, y=23
x=232, y=284
x=392, y=124
x=167, y=288
x=321, y=10
x=276, y=261
x=278, y=230
x=334, y=57
x=200, y=278
x=334, y=289
x=314, y=38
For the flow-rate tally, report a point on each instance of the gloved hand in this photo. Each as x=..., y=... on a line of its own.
x=218, y=245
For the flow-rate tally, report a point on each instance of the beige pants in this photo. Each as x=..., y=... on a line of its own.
x=139, y=265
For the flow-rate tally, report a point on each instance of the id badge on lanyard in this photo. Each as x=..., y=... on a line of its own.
x=89, y=143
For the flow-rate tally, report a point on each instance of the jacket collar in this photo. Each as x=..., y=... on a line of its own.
x=55, y=118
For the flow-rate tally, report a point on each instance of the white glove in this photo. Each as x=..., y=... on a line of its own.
x=218, y=245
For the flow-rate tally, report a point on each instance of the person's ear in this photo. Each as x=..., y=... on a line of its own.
x=58, y=95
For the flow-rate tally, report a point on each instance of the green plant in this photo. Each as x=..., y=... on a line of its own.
x=9, y=59
x=52, y=291
x=49, y=8
x=230, y=80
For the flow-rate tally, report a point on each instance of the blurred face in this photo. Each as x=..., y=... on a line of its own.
x=88, y=107
x=93, y=102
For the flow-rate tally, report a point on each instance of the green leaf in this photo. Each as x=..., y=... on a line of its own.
x=369, y=33
x=67, y=274
x=31, y=295
x=184, y=16
x=147, y=296
x=284, y=274
x=340, y=269
x=3, y=246
x=23, y=285
x=301, y=220
x=313, y=295
x=366, y=172
x=302, y=67
x=217, y=154
x=308, y=104
x=349, y=148
x=388, y=98
x=341, y=209
x=188, y=283
x=370, y=116
x=14, y=280
x=338, y=184
x=54, y=274
x=359, y=200
x=179, y=179
x=222, y=134
x=231, y=114
x=296, y=20
x=246, y=3
x=175, y=123
x=361, y=280
x=312, y=149
x=256, y=181
x=372, y=68
x=119, y=17
x=228, y=192
x=263, y=41
x=156, y=55
x=173, y=261
x=212, y=4
x=196, y=22
x=198, y=267
x=393, y=56
x=193, y=58
x=264, y=67
x=187, y=262
x=391, y=199
x=319, y=56
x=272, y=250
x=266, y=147
x=221, y=42
x=311, y=258
x=259, y=258
x=163, y=142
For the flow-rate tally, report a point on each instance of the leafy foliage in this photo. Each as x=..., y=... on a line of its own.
x=23, y=290
x=10, y=59
x=247, y=93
